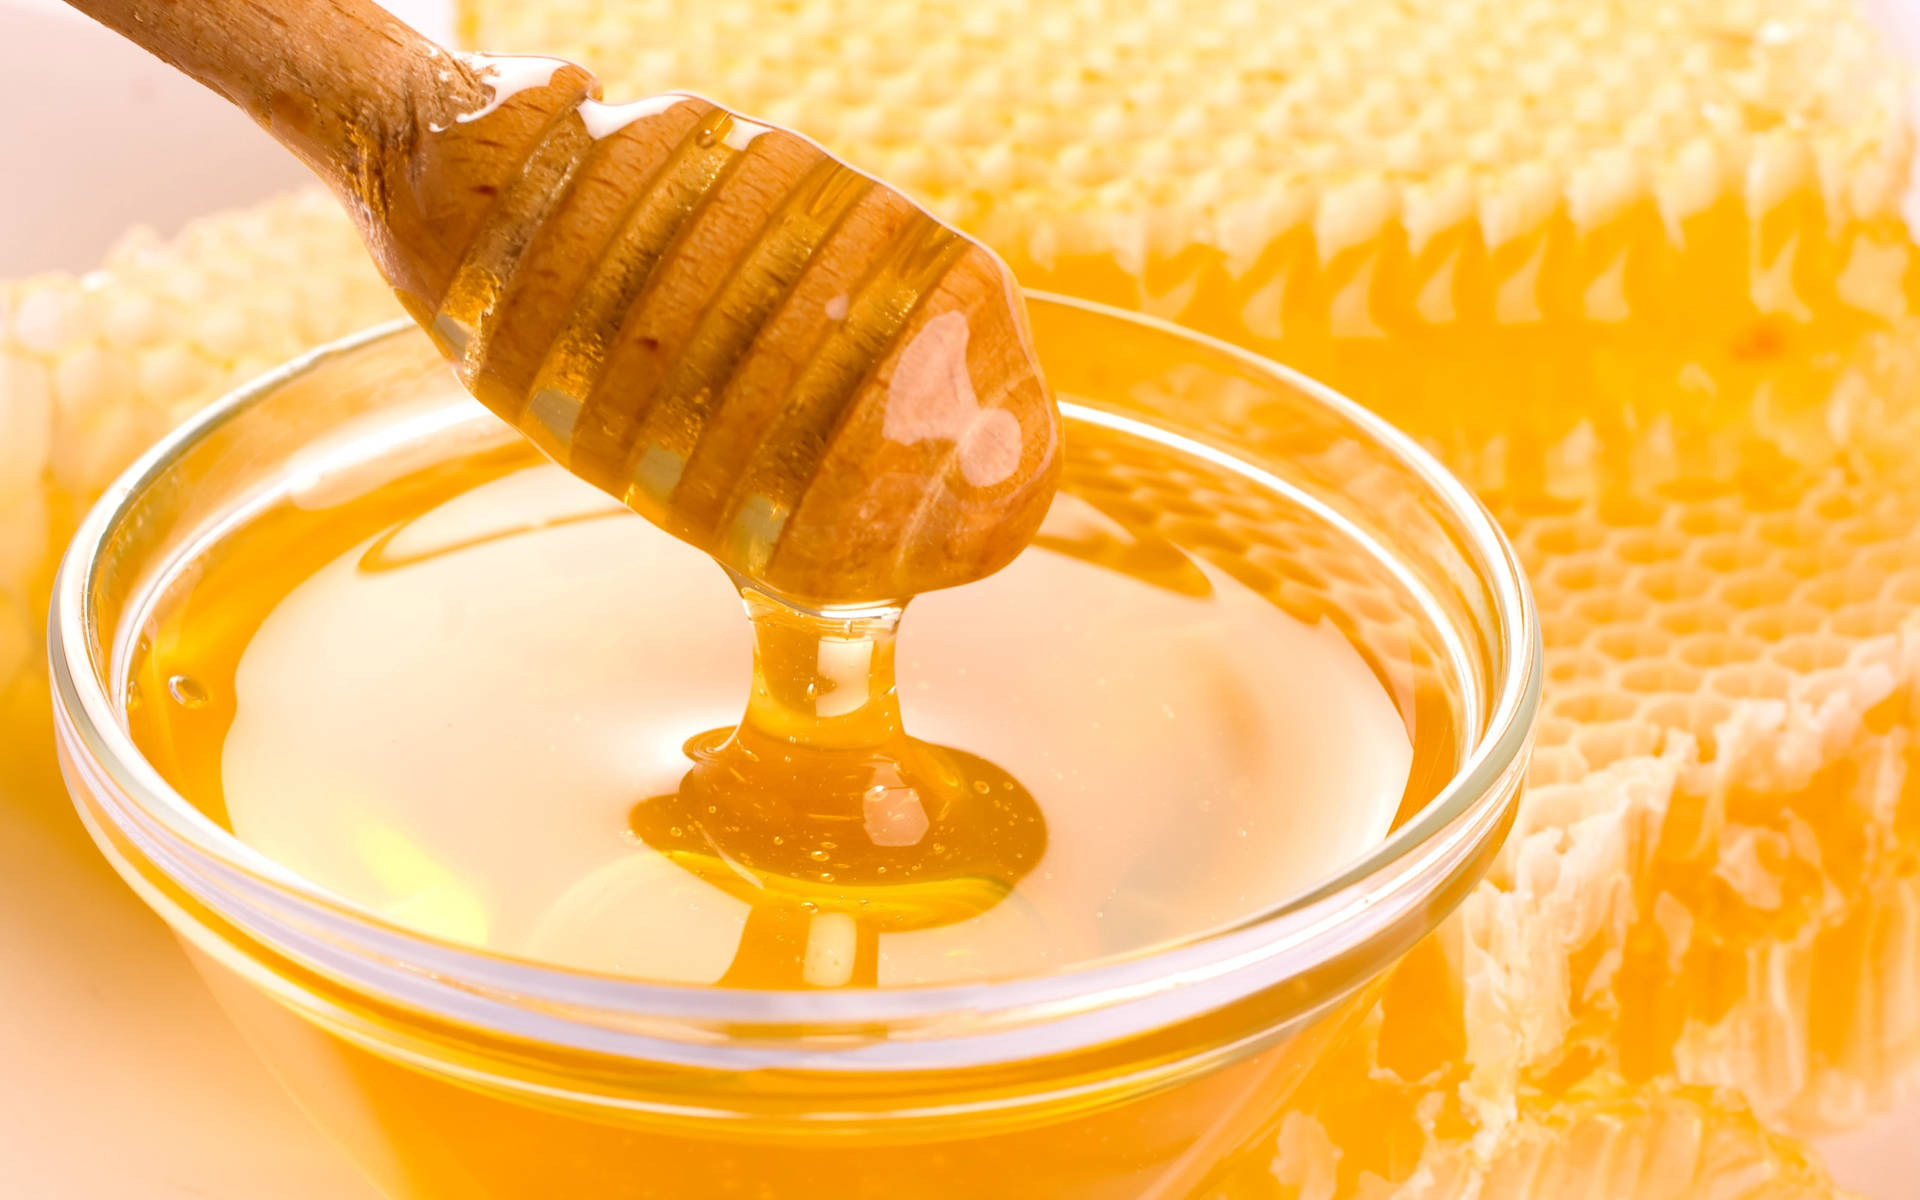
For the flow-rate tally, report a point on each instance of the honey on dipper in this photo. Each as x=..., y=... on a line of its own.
x=772, y=356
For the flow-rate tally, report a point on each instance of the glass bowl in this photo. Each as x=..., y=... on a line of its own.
x=447, y=1070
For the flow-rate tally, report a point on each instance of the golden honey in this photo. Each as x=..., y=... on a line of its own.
x=510, y=716
x=504, y=719
x=535, y=865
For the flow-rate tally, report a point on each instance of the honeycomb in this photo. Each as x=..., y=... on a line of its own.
x=1506, y=189
x=94, y=367
x=1719, y=842
x=1359, y=1129
x=1715, y=859
x=1358, y=166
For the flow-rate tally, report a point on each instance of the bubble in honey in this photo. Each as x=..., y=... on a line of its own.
x=186, y=691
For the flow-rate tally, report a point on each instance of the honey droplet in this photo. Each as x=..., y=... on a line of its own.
x=186, y=691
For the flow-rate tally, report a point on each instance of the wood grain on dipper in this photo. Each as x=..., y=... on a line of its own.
x=768, y=353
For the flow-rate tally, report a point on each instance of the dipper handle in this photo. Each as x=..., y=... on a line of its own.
x=768, y=353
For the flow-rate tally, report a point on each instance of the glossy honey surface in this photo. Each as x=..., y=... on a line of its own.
x=497, y=709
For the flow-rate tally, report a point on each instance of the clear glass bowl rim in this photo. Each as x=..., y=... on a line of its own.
x=632, y=1018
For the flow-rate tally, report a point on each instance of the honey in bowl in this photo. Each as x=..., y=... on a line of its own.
x=512, y=717
x=435, y=757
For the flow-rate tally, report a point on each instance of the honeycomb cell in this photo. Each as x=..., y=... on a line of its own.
x=1703, y=647
x=1578, y=667
x=1584, y=573
x=1694, y=619
x=1793, y=531
x=1645, y=546
x=1748, y=680
x=1903, y=587
x=1556, y=762
x=1657, y=677
x=1699, y=714
x=1839, y=589
x=1870, y=619
x=1746, y=585
x=1772, y=624
x=1670, y=583
x=1619, y=510
x=1731, y=556
x=1808, y=653
x=1601, y=743
x=1717, y=520
x=1603, y=610
x=1625, y=642
x=1559, y=539
x=1589, y=705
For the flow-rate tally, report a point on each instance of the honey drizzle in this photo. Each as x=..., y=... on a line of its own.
x=822, y=814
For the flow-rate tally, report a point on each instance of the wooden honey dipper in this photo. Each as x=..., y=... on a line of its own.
x=771, y=355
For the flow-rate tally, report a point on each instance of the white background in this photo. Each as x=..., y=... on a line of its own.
x=98, y=136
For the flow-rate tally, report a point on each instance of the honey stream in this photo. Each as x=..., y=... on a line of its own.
x=824, y=815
